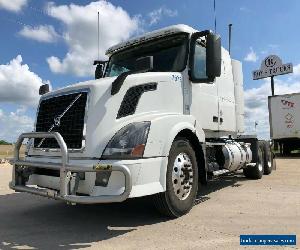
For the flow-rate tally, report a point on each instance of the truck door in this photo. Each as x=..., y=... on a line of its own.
x=204, y=98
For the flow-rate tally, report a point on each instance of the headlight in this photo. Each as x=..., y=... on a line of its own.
x=128, y=142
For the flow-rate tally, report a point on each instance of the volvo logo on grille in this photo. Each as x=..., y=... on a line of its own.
x=57, y=121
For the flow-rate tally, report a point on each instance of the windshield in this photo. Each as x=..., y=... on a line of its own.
x=169, y=55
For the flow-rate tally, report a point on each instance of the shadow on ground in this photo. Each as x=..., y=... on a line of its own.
x=36, y=222
x=220, y=182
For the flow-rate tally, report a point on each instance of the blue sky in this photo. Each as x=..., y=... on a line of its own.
x=45, y=33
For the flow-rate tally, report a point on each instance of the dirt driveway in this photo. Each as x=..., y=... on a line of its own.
x=226, y=208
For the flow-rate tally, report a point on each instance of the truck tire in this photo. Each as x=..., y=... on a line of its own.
x=268, y=157
x=273, y=161
x=257, y=171
x=286, y=149
x=181, y=181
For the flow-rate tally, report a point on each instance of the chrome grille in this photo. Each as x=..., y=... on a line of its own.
x=71, y=122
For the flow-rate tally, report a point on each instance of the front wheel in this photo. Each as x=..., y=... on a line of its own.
x=181, y=181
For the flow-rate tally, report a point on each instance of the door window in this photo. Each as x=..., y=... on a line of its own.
x=199, y=69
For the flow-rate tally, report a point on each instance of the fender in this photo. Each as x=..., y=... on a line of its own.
x=162, y=133
x=165, y=128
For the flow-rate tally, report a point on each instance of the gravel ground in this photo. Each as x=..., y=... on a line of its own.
x=227, y=207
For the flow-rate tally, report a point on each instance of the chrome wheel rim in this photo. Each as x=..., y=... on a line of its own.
x=269, y=164
x=182, y=176
x=260, y=161
x=260, y=167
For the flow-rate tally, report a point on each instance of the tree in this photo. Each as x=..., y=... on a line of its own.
x=2, y=142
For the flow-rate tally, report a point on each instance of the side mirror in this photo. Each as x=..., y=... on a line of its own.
x=144, y=63
x=213, y=55
x=44, y=89
x=100, y=69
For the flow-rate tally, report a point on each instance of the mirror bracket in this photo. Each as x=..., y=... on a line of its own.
x=100, y=68
x=44, y=89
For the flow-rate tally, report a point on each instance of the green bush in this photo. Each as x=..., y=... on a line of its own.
x=2, y=142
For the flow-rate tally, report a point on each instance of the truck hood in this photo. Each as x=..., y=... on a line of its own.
x=101, y=119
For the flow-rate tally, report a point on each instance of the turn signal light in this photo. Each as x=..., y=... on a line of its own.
x=138, y=150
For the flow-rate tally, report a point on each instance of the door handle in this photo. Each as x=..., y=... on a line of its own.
x=216, y=118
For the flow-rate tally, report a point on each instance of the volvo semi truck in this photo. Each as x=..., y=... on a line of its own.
x=284, y=119
x=164, y=114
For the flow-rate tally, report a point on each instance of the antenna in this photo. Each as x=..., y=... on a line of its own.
x=99, y=71
x=229, y=40
x=215, y=14
x=98, y=38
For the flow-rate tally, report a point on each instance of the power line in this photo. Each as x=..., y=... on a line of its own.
x=41, y=11
x=38, y=10
x=16, y=21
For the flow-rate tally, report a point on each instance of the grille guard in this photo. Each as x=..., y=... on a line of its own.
x=65, y=174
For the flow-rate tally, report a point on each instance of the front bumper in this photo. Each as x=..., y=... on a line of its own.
x=67, y=172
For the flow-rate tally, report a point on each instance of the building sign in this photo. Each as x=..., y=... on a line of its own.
x=272, y=66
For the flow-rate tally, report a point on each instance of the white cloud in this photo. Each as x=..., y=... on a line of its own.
x=251, y=56
x=271, y=49
x=157, y=14
x=296, y=70
x=18, y=84
x=41, y=33
x=256, y=104
x=14, y=123
x=12, y=5
x=80, y=35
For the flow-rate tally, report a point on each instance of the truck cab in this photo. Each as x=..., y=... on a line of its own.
x=165, y=113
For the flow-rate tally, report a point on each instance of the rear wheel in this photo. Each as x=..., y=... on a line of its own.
x=257, y=171
x=181, y=181
x=268, y=157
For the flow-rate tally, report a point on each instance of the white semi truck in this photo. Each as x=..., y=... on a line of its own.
x=284, y=114
x=164, y=115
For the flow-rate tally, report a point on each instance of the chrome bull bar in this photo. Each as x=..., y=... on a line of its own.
x=65, y=173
